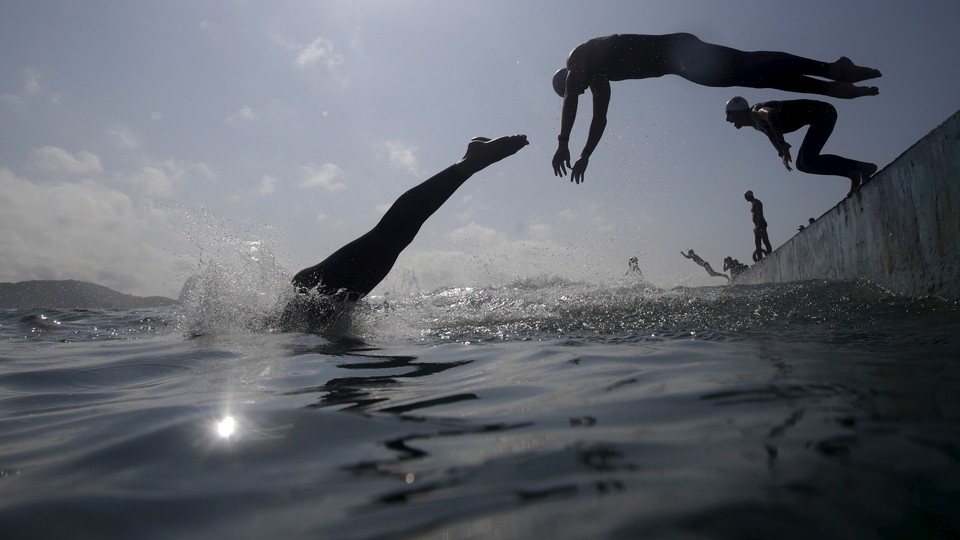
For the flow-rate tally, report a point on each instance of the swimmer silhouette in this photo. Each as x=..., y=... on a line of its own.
x=759, y=227
x=706, y=266
x=352, y=271
x=774, y=118
x=594, y=63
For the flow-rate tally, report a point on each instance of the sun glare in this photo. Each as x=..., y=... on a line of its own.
x=226, y=427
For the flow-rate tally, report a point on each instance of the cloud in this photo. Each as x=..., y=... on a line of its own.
x=156, y=181
x=268, y=185
x=319, y=51
x=87, y=231
x=162, y=179
x=31, y=82
x=59, y=161
x=125, y=137
x=12, y=100
x=540, y=231
x=323, y=176
x=402, y=155
x=473, y=233
x=244, y=114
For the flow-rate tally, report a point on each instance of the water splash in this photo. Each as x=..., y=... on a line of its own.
x=238, y=280
x=550, y=307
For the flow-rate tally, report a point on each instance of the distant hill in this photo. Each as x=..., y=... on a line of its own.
x=72, y=294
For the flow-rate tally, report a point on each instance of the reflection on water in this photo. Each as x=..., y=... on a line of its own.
x=360, y=392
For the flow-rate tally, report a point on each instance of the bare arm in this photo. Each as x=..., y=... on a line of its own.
x=601, y=102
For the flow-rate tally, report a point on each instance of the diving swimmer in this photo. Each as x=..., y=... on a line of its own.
x=596, y=62
x=352, y=271
x=704, y=264
x=774, y=118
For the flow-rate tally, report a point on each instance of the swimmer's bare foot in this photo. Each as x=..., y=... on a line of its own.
x=845, y=90
x=482, y=152
x=846, y=71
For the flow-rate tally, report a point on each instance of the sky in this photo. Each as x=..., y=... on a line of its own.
x=140, y=141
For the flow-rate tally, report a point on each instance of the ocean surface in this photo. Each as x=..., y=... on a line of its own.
x=538, y=409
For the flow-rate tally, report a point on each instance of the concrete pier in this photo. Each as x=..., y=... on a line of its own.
x=900, y=231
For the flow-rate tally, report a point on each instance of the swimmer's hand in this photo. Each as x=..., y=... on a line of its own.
x=579, y=168
x=561, y=160
x=785, y=154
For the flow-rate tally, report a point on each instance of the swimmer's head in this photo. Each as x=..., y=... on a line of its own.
x=748, y=195
x=560, y=82
x=737, y=109
x=737, y=103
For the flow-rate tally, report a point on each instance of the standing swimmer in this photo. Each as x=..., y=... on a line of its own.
x=759, y=227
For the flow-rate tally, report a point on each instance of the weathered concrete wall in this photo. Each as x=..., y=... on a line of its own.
x=900, y=231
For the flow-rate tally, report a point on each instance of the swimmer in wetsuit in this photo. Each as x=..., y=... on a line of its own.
x=594, y=63
x=734, y=266
x=774, y=118
x=352, y=271
x=706, y=266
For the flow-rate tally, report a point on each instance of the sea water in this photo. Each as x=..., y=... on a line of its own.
x=538, y=409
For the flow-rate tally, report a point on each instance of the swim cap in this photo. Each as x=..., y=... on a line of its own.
x=560, y=82
x=737, y=104
x=748, y=194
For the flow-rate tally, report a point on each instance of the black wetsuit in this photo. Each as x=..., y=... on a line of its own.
x=639, y=56
x=734, y=266
x=352, y=271
x=703, y=264
x=821, y=117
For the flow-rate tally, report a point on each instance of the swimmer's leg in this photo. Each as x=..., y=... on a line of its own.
x=846, y=90
x=363, y=263
x=845, y=70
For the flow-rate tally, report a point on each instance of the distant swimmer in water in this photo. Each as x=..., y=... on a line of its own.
x=352, y=271
x=594, y=63
x=633, y=267
x=759, y=227
x=774, y=118
x=706, y=266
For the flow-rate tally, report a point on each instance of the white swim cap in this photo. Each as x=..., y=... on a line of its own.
x=737, y=104
x=560, y=82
